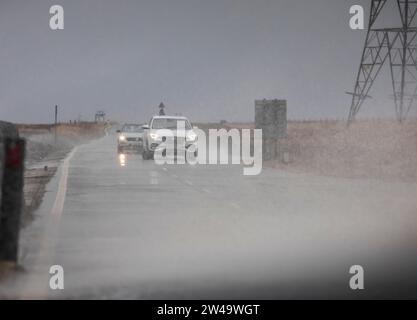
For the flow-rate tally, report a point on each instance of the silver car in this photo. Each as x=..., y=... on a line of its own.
x=130, y=137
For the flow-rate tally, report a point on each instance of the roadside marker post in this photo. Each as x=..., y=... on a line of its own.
x=12, y=174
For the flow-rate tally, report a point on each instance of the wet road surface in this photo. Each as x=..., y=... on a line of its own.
x=122, y=227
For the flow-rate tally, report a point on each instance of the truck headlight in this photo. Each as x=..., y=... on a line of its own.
x=122, y=138
x=154, y=136
x=191, y=137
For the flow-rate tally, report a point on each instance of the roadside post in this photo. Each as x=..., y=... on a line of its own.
x=12, y=153
x=56, y=124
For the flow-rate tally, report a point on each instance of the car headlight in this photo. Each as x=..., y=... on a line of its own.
x=122, y=138
x=191, y=137
x=154, y=136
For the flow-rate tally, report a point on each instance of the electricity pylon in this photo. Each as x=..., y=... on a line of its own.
x=398, y=45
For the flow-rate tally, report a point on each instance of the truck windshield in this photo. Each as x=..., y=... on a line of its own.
x=167, y=123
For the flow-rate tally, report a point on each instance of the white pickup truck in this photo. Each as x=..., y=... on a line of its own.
x=181, y=132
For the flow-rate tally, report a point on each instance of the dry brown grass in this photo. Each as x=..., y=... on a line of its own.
x=366, y=149
x=81, y=129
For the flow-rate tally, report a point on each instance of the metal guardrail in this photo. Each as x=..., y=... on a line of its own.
x=12, y=153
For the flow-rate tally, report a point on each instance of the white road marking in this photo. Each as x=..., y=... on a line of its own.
x=206, y=190
x=154, y=178
x=61, y=194
x=188, y=182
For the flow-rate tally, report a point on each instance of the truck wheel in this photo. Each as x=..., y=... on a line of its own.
x=145, y=155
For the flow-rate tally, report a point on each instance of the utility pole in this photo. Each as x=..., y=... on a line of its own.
x=396, y=46
x=56, y=123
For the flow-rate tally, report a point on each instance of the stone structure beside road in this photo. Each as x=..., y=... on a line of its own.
x=271, y=117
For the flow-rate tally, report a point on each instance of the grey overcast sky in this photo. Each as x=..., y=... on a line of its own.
x=207, y=59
